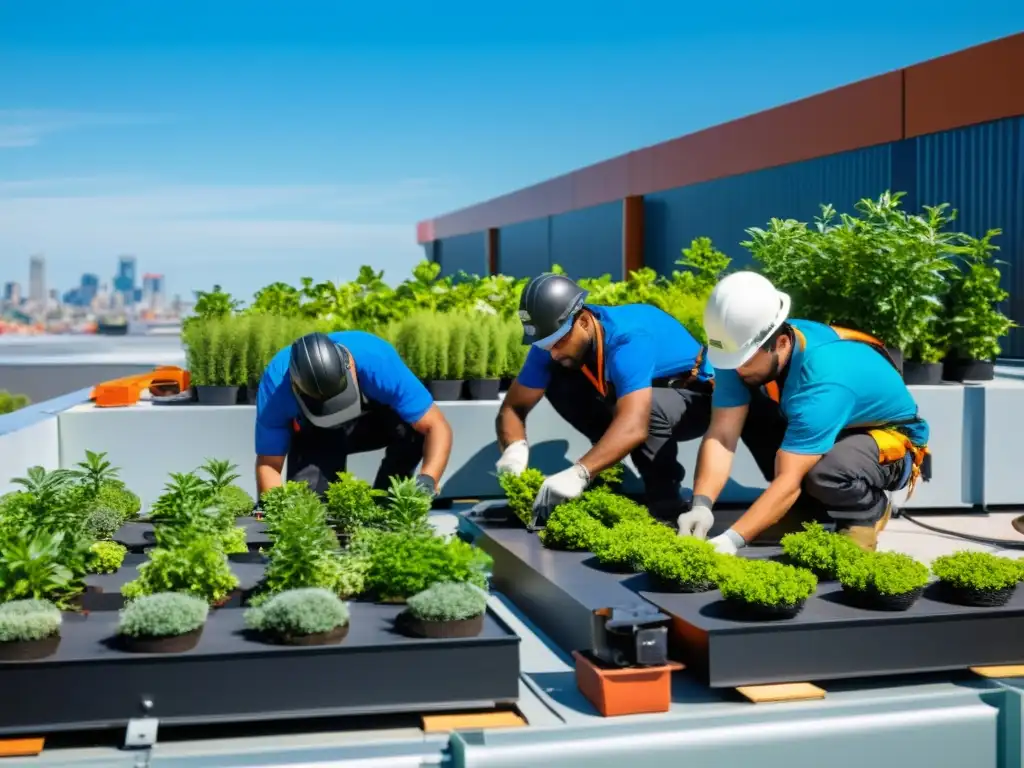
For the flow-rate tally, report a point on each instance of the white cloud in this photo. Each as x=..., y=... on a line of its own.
x=20, y=128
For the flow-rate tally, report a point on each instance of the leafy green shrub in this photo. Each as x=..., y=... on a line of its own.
x=107, y=556
x=352, y=503
x=9, y=403
x=406, y=563
x=27, y=620
x=236, y=501
x=304, y=611
x=162, y=614
x=216, y=351
x=819, y=550
x=42, y=564
x=684, y=562
x=884, y=573
x=276, y=500
x=448, y=601
x=197, y=567
x=609, y=508
x=571, y=527
x=521, y=491
x=766, y=583
x=233, y=541
x=102, y=523
x=626, y=544
x=981, y=571
x=304, y=552
x=120, y=499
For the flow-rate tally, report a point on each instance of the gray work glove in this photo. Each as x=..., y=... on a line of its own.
x=563, y=486
x=697, y=522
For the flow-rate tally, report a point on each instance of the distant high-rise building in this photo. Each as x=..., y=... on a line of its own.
x=37, y=279
x=124, y=283
x=89, y=288
x=153, y=290
x=12, y=293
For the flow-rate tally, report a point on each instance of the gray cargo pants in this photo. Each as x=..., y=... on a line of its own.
x=676, y=415
x=847, y=486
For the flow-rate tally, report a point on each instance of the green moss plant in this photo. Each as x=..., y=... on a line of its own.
x=883, y=578
x=521, y=491
x=448, y=601
x=625, y=545
x=978, y=578
x=298, y=613
x=766, y=587
x=107, y=556
x=163, y=614
x=28, y=620
x=571, y=527
x=682, y=563
x=819, y=550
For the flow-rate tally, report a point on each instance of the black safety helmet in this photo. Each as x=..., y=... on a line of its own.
x=548, y=306
x=321, y=377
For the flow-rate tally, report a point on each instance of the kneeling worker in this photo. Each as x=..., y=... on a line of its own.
x=823, y=410
x=331, y=395
x=630, y=378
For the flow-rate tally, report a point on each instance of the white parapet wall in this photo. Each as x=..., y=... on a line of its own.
x=150, y=441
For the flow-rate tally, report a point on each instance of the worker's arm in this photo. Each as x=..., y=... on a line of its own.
x=626, y=432
x=716, y=452
x=510, y=423
x=776, y=500
x=268, y=473
x=437, y=443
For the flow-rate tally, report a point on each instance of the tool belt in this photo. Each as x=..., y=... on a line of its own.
x=893, y=445
x=687, y=380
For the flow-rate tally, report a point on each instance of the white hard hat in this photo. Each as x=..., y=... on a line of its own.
x=744, y=309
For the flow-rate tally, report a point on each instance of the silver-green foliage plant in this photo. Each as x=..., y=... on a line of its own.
x=27, y=620
x=303, y=611
x=164, y=614
x=448, y=601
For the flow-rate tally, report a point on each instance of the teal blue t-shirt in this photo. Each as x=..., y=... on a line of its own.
x=831, y=385
x=641, y=343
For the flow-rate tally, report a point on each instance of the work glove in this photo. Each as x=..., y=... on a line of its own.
x=697, y=522
x=565, y=485
x=728, y=543
x=514, y=458
x=426, y=484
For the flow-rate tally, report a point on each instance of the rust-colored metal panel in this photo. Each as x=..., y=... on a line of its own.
x=601, y=183
x=493, y=244
x=863, y=114
x=632, y=234
x=972, y=86
x=425, y=232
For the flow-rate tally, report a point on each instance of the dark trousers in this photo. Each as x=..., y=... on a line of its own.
x=846, y=486
x=317, y=455
x=676, y=414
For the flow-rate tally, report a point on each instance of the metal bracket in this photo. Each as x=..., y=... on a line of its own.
x=140, y=732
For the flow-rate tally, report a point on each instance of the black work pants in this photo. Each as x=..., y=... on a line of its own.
x=317, y=455
x=847, y=486
x=676, y=415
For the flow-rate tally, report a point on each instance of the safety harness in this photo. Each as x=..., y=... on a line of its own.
x=893, y=444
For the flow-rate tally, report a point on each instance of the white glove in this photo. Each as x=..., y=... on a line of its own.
x=697, y=522
x=725, y=544
x=565, y=485
x=515, y=458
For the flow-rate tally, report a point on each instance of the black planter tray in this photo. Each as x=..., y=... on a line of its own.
x=829, y=639
x=227, y=677
x=138, y=535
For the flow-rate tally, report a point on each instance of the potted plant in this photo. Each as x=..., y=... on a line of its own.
x=106, y=556
x=571, y=527
x=521, y=491
x=305, y=616
x=486, y=353
x=445, y=609
x=681, y=564
x=977, y=578
x=923, y=362
x=764, y=589
x=352, y=503
x=164, y=622
x=515, y=353
x=450, y=356
x=196, y=566
x=819, y=550
x=29, y=629
x=622, y=548
x=213, y=358
x=886, y=581
x=404, y=563
x=973, y=322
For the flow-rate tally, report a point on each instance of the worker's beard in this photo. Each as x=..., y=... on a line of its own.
x=760, y=379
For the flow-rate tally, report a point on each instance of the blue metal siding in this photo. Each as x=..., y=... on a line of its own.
x=588, y=242
x=724, y=209
x=524, y=249
x=978, y=171
x=464, y=252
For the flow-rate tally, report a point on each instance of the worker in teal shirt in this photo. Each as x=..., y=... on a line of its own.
x=330, y=395
x=823, y=410
x=630, y=378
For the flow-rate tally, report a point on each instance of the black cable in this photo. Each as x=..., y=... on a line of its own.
x=1002, y=543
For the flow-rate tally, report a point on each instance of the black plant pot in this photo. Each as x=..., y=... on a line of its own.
x=922, y=373
x=409, y=625
x=746, y=611
x=504, y=383
x=444, y=390
x=871, y=600
x=251, y=394
x=29, y=650
x=954, y=369
x=982, y=598
x=208, y=395
x=666, y=585
x=169, y=644
x=897, y=357
x=483, y=389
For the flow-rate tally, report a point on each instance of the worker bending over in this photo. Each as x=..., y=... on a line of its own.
x=823, y=410
x=331, y=395
x=630, y=378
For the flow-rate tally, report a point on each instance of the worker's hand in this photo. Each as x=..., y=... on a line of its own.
x=515, y=458
x=725, y=544
x=565, y=485
x=697, y=522
x=426, y=484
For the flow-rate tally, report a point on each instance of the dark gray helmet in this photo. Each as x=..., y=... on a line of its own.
x=547, y=308
x=320, y=370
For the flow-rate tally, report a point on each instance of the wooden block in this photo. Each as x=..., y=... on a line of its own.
x=20, y=747
x=472, y=720
x=760, y=694
x=1008, y=670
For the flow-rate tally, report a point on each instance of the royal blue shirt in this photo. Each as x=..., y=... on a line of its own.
x=641, y=343
x=383, y=378
x=831, y=385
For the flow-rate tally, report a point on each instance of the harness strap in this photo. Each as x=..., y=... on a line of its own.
x=598, y=379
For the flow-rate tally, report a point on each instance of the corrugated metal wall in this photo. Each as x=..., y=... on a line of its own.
x=978, y=170
x=524, y=249
x=725, y=208
x=588, y=242
x=464, y=252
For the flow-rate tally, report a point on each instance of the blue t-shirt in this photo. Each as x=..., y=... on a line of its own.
x=383, y=378
x=641, y=343
x=831, y=385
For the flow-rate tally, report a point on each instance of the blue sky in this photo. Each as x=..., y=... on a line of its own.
x=239, y=143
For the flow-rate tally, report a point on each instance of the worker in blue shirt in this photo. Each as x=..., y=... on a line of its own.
x=630, y=378
x=823, y=410
x=330, y=395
